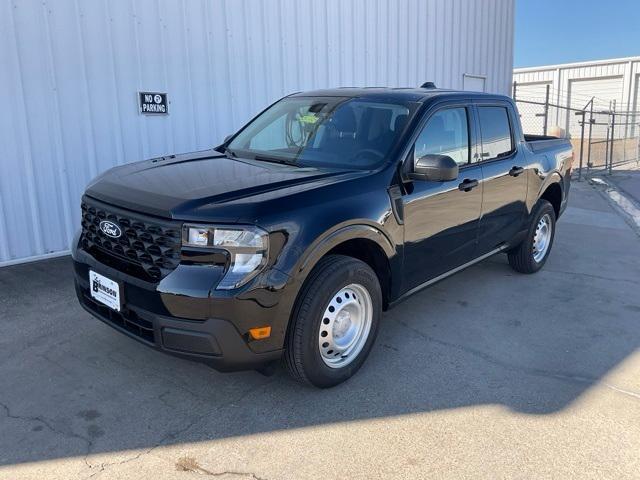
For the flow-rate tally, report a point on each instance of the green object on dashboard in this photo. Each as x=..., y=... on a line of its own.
x=308, y=119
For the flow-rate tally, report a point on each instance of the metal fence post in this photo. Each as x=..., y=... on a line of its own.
x=583, y=113
x=513, y=93
x=606, y=145
x=613, y=130
x=591, y=120
x=625, y=136
x=546, y=110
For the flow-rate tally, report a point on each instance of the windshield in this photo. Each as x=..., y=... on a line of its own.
x=338, y=132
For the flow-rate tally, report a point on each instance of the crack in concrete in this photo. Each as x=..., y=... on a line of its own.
x=165, y=438
x=173, y=435
x=538, y=372
x=48, y=424
x=227, y=472
x=187, y=464
x=103, y=466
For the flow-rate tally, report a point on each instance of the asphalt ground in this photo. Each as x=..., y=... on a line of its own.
x=488, y=374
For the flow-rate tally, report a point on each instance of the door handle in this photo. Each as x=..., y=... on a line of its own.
x=515, y=171
x=467, y=185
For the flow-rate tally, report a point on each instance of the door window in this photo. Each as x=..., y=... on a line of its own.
x=497, y=140
x=446, y=133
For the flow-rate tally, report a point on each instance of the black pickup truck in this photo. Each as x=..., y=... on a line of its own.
x=291, y=238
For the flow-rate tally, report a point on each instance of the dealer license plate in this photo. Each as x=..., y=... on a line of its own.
x=104, y=290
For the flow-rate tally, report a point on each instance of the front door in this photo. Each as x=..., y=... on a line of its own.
x=441, y=218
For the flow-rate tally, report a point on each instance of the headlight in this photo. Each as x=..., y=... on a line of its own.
x=248, y=247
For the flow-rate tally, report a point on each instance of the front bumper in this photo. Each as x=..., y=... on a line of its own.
x=180, y=315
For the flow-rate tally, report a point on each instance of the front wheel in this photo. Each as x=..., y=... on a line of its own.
x=335, y=322
x=532, y=253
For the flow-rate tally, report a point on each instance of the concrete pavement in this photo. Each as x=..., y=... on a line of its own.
x=628, y=181
x=489, y=374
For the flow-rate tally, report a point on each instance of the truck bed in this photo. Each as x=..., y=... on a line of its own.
x=544, y=143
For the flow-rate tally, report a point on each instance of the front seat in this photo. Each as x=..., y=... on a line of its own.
x=341, y=131
x=379, y=135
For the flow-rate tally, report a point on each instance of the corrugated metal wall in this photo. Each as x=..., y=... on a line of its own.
x=70, y=70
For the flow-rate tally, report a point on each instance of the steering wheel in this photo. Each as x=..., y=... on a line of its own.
x=370, y=152
x=294, y=138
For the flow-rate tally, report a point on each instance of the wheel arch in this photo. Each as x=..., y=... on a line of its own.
x=552, y=192
x=364, y=242
x=372, y=254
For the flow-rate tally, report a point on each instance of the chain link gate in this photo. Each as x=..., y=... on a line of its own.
x=604, y=135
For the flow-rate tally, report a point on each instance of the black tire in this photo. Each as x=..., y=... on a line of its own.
x=302, y=356
x=521, y=258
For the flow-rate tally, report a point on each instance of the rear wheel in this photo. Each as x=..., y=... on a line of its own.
x=335, y=322
x=532, y=253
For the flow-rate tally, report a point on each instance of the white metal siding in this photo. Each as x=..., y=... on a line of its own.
x=574, y=84
x=536, y=91
x=605, y=89
x=70, y=70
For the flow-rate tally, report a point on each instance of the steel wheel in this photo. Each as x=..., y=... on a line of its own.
x=345, y=326
x=542, y=238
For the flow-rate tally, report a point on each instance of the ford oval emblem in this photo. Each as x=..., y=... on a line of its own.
x=110, y=229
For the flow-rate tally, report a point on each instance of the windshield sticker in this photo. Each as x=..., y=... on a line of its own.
x=311, y=119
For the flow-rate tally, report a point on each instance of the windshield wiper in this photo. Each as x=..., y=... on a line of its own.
x=229, y=153
x=282, y=161
x=261, y=158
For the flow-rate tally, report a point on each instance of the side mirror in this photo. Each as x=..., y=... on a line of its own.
x=227, y=138
x=437, y=168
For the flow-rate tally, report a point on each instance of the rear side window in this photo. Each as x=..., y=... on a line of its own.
x=497, y=140
x=446, y=133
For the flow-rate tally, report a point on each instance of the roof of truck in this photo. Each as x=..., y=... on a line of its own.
x=386, y=93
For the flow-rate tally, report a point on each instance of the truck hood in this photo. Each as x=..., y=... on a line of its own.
x=177, y=186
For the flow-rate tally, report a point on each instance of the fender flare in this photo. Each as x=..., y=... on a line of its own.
x=338, y=235
x=323, y=244
x=551, y=178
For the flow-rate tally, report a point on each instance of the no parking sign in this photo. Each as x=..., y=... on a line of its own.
x=153, y=103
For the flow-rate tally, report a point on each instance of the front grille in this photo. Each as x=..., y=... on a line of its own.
x=128, y=320
x=148, y=248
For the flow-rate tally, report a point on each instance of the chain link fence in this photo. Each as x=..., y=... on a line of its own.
x=605, y=135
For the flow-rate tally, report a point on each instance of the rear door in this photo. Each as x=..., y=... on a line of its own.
x=504, y=171
x=441, y=218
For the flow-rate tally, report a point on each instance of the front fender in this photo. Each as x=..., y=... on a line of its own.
x=318, y=248
x=331, y=238
x=340, y=234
